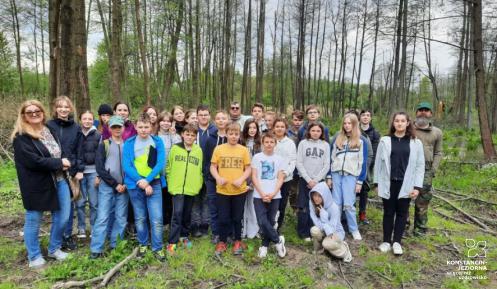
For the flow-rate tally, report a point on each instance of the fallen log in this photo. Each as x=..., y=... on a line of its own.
x=105, y=278
x=475, y=220
x=466, y=196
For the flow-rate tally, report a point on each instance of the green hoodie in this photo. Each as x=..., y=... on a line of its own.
x=184, y=170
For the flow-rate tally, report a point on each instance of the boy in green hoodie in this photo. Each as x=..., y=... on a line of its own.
x=184, y=177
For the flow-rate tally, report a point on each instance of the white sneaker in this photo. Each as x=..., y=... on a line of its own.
x=348, y=256
x=262, y=252
x=81, y=234
x=58, y=255
x=385, y=247
x=397, y=249
x=307, y=240
x=37, y=263
x=357, y=235
x=280, y=247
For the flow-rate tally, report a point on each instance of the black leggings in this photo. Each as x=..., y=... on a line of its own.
x=395, y=213
x=230, y=215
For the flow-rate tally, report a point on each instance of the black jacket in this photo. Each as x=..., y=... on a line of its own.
x=36, y=173
x=67, y=132
x=374, y=137
x=212, y=142
x=87, y=149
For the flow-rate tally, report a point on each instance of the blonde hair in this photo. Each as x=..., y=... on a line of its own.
x=355, y=136
x=22, y=126
x=57, y=102
x=233, y=126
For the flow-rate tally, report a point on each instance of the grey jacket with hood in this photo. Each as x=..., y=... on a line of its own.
x=415, y=170
x=313, y=159
x=329, y=217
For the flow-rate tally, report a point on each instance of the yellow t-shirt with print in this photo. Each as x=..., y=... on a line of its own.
x=231, y=162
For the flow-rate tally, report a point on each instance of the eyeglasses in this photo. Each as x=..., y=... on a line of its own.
x=235, y=107
x=33, y=113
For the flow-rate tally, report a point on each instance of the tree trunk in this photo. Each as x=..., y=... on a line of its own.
x=246, y=59
x=17, y=41
x=116, y=53
x=259, y=78
x=143, y=51
x=373, y=65
x=486, y=135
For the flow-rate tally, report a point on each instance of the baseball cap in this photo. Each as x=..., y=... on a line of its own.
x=424, y=104
x=116, y=120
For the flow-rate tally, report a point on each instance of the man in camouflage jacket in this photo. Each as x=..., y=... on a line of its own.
x=431, y=137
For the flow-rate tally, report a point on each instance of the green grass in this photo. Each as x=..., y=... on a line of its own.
x=423, y=265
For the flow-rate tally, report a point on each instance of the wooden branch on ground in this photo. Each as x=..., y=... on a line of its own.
x=116, y=268
x=343, y=275
x=465, y=214
x=462, y=222
x=466, y=196
x=105, y=278
x=6, y=153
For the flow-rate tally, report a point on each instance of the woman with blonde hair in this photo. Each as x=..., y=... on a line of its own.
x=348, y=169
x=67, y=131
x=40, y=163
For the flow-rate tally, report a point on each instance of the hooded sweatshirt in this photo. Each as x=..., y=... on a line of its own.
x=329, y=217
x=313, y=159
x=286, y=149
x=108, y=162
x=203, y=135
x=212, y=142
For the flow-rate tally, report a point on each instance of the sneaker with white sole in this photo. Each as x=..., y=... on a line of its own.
x=81, y=234
x=348, y=255
x=58, y=255
x=280, y=247
x=37, y=263
x=307, y=240
x=262, y=252
x=385, y=247
x=397, y=249
x=357, y=235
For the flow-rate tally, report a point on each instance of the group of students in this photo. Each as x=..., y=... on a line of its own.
x=235, y=176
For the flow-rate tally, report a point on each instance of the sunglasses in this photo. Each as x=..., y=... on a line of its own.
x=33, y=113
x=235, y=107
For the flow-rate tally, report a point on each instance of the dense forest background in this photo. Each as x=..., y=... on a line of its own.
x=286, y=54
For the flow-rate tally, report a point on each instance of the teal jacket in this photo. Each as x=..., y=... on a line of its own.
x=184, y=170
x=156, y=161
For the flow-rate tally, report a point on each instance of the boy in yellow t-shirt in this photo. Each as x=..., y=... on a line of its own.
x=230, y=167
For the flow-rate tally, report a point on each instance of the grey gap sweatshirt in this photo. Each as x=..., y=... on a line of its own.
x=313, y=159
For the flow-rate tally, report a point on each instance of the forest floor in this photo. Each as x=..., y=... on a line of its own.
x=428, y=262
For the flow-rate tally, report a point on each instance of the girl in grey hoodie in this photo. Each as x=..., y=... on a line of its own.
x=327, y=231
x=313, y=163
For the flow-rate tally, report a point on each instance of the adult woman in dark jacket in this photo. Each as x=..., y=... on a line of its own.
x=40, y=164
x=67, y=130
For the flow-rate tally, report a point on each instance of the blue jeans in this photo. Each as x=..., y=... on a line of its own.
x=59, y=221
x=213, y=210
x=67, y=232
x=148, y=206
x=88, y=194
x=344, y=196
x=112, y=206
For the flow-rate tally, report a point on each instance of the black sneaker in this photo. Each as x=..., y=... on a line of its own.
x=96, y=255
x=196, y=232
x=160, y=256
x=68, y=244
x=204, y=229
x=142, y=250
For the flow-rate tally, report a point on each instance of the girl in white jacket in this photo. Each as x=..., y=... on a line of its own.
x=398, y=177
x=285, y=148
